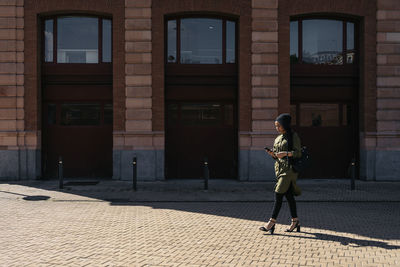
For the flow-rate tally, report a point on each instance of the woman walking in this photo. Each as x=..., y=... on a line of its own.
x=286, y=147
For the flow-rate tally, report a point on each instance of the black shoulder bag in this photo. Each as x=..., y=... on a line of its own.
x=302, y=163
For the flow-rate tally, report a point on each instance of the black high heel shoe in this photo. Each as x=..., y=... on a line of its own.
x=296, y=226
x=271, y=230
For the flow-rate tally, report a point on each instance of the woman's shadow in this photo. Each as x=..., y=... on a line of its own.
x=345, y=241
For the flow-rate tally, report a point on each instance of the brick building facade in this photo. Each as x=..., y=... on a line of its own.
x=140, y=84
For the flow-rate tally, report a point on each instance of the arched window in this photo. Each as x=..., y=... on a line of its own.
x=201, y=41
x=77, y=39
x=322, y=41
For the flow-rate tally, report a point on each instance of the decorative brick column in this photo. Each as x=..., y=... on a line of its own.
x=17, y=146
x=388, y=91
x=138, y=138
x=264, y=89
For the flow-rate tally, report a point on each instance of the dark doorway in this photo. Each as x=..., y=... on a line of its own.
x=77, y=96
x=324, y=92
x=201, y=97
x=197, y=130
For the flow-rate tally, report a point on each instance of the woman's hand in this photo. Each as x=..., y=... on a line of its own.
x=283, y=154
x=271, y=153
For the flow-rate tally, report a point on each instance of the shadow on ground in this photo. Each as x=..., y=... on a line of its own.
x=345, y=241
x=377, y=220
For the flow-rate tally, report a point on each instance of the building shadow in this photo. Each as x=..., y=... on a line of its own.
x=369, y=219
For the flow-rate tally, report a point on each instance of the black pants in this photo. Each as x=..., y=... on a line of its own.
x=278, y=203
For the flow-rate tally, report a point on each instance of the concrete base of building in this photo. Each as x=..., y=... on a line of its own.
x=20, y=164
x=367, y=165
x=255, y=165
x=379, y=165
x=387, y=165
x=150, y=165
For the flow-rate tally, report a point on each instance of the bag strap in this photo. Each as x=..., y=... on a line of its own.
x=287, y=150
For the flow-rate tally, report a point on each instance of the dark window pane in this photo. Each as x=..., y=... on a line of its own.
x=201, y=41
x=350, y=43
x=230, y=41
x=322, y=41
x=107, y=40
x=48, y=40
x=172, y=114
x=201, y=114
x=319, y=114
x=294, y=41
x=108, y=114
x=228, y=114
x=171, y=45
x=293, y=113
x=80, y=114
x=346, y=115
x=77, y=40
x=51, y=114
x=350, y=36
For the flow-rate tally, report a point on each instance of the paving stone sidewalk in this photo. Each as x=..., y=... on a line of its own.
x=178, y=224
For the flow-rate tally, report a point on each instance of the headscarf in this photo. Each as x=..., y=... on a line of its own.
x=285, y=119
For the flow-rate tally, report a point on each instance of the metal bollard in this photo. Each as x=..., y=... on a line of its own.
x=60, y=173
x=353, y=174
x=134, y=174
x=206, y=173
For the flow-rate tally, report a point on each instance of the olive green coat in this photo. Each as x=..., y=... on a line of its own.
x=283, y=171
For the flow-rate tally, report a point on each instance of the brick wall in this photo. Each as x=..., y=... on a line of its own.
x=17, y=145
x=264, y=80
x=138, y=77
x=12, y=133
x=388, y=75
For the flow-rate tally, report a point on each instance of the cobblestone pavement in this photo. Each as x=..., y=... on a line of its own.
x=72, y=231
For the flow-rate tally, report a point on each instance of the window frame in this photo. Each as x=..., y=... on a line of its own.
x=55, y=38
x=178, y=18
x=344, y=21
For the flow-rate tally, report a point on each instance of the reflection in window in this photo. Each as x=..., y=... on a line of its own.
x=48, y=40
x=77, y=40
x=108, y=114
x=80, y=114
x=201, y=41
x=106, y=42
x=323, y=41
x=294, y=41
x=201, y=114
x=230, y=41
x=319, y=114
x=171, y=45
x=51, y=114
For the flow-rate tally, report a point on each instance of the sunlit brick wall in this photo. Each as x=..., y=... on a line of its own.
x=264, y=71
x=388, y=74
x=388, y=87
x=11, y=73
x=13, y=137
x=138, y=79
